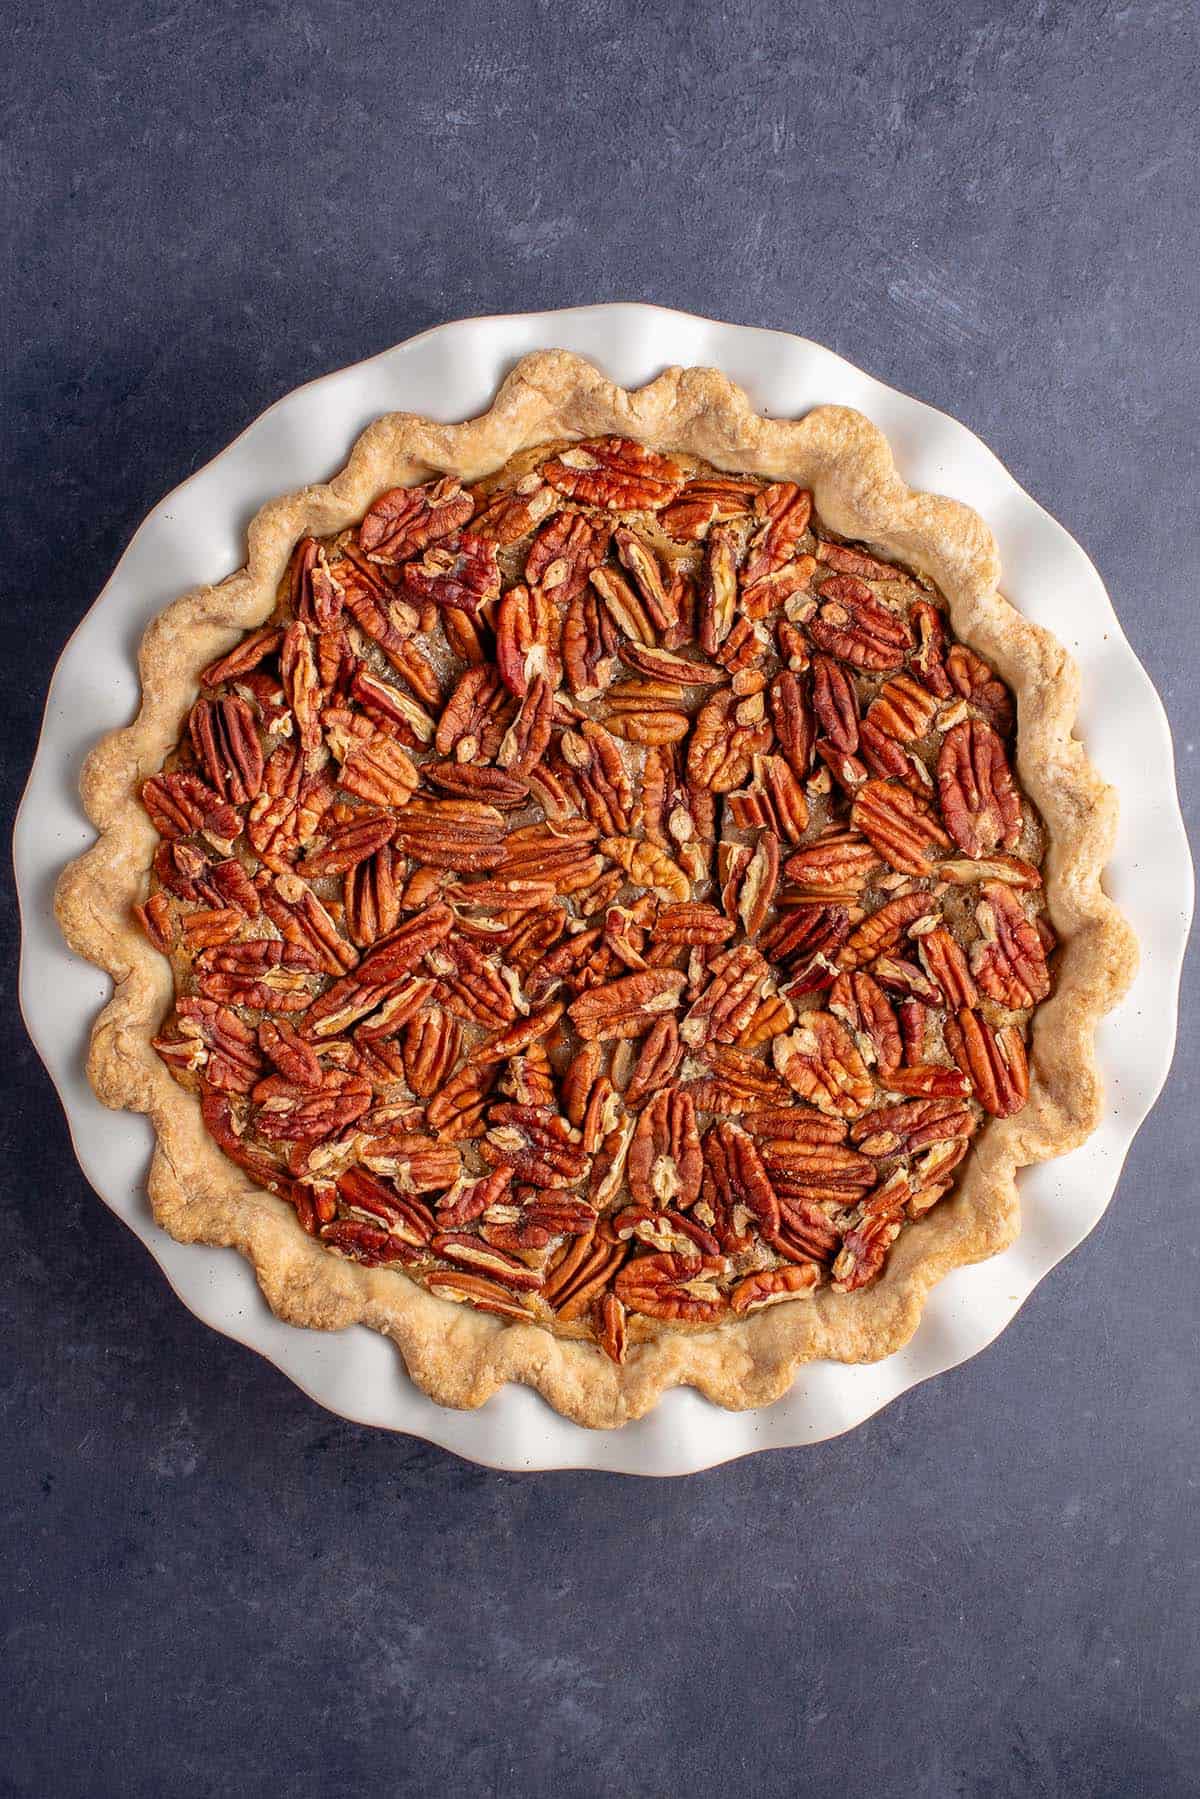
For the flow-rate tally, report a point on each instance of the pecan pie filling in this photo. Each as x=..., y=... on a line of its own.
x=602, y=894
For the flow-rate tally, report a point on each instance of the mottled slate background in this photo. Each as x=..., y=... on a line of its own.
x=208, y=1585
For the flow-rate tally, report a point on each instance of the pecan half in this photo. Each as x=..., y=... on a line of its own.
x=494, y=1264
x=883, y=755
x=399, y=953
x=589, y=642
x=944, y=962
x=904, y=979
x=839, y=862
x=226, y=742
x=289, y=1054
x=653, y=584
x=863, y=1006
x=879, y=934
x=460, y=573
x=930, y=1080
x=970, y=676
x=673, y=1287
x=599, y=776
x=216, y=925
x=774, y=798
x=738, y=1082
x=458, y=834
x=646, y=712
x=929, y=657
x=993, y=1061
x=390, y=708
x=736, y=980
x=564, y=855
x=365, y=1243
x=739, y=1178
x=912, y=1125
x=784, y=510
x=528, y=632
x=371, y=897
x=718, y=588
x=377, y=1202
x=564, y=553
x=285, y=1112
x=665, y=1163
x=475, y=717
x=416, y=1163
x=979, y=802
x=287, y=815
x=244, y=656
x=302, y=685
x=491, y=786
x=648, y=865
x=658, y=1060
x=536, y=1143
x=484, y=1295
x=610, y=1333
x=866, y=1244
x=745, y=645
x=814, y=1172
x=727, y=735
x=852, y=625
x=511, y=516
x=708, y=501
x=749, y=878
x=914, y=1017
x=472, y=984
x=470, y=1198
x=820, y=1062
x=373, y=766
x=626, y=1007
x=903, y=709
x=301, y=918
x=847, y=559
x=771, y=1285
x=835, y=703
x=792, y=719
x=665, y=665
x=264, y=974
x=900, y=826
x=1009, y=961
x=181, y=803
x=524, y=743
x=1013, y=871
x=581, y=1272
x=432, y=1042
x=157, y=921
x=457, y=1110
x=805, y=942
x=405, y=520
x=375, y=613
x=509, y=1040
x=220, y=1043
x=614, y=473
x=348, y=844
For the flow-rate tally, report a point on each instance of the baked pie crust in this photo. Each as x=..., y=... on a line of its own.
x=456, y=1352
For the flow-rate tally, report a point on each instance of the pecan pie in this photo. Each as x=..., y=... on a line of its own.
x=581, y=897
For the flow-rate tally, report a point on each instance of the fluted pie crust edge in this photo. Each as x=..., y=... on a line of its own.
x=458, y=1355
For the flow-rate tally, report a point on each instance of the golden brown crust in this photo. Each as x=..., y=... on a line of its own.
x=459, y=1355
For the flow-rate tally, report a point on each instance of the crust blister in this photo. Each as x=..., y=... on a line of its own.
x=459, y=1356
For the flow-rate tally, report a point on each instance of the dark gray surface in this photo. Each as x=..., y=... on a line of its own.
x=210, y=1587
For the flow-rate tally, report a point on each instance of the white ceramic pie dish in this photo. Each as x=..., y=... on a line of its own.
x=197, y=535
